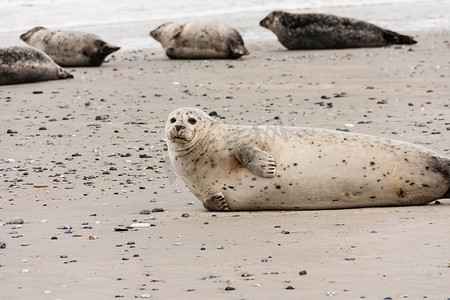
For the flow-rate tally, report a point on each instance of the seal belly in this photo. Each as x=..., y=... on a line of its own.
x=342, y=171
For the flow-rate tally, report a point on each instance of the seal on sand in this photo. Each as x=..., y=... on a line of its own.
x=232, y=168
x=69, y=48
x=26, y=64
x=321, y=31
x=200, y=40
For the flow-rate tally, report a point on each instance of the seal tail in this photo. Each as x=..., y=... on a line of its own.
x=392, y=37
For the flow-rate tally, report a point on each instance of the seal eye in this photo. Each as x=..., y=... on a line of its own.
x=173, y=120
x=192, y=121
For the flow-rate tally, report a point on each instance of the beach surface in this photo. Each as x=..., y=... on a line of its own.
x=83, y=160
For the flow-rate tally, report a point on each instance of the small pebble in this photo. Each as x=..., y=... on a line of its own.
x=229, y=288
x=2, y=245
x=303, y=272
x=155, y=210
x=343, y=129
x=145, y=212
x=16, y=221
x=145, y=296
x=290, y=287
x=185, y=215
x=140, y=225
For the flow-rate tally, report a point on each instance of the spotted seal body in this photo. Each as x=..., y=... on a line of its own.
x=69, y=48
x=232, y=168
x=26, y=64
x=200, y=40
x=322, y=31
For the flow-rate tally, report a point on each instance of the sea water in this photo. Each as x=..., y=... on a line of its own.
x=128, y=23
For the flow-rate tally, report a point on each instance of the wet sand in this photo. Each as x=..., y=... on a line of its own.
x=88, y=154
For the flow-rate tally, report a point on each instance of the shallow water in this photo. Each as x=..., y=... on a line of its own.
x=128, y=23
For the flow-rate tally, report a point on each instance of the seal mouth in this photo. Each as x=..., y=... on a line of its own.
x=179, y=139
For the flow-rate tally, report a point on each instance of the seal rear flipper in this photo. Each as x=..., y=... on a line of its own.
x=257, y=161
x=236, y=46
x=108, y=49
x=63, y=74
x=216, y=202
x=392, y=37
x=239, y=51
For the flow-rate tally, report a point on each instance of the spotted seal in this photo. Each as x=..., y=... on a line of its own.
x=322, y=31
x=233, y=168
x=199, y=40
x=25, y=64
x=69, y=48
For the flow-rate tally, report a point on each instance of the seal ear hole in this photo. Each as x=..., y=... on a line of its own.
x=173, y=120
x=192, y=121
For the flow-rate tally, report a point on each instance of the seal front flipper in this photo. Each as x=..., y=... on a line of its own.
x=257, y=161
x=216, y=202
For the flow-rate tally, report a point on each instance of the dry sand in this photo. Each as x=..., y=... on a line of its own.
x=120, y=109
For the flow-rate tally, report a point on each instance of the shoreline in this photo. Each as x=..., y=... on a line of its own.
x=420, y=16
x=89, y=154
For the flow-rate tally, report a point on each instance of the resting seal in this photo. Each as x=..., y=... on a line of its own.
x=26, y=64
x=69, y=48
x=321, y=31
x=200, y=40
x=232, y=168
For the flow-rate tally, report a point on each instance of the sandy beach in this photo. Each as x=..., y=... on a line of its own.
x=83, y=160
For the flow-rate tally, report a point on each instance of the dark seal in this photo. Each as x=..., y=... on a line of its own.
x=26, y=64
x=322, y=31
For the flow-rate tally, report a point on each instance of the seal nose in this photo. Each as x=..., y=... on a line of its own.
x=179, y=127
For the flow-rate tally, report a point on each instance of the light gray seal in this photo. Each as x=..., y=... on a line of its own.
x=322, y=31
x=199, y=40
x=235, y=168
x=70, y=48
x=26, y=64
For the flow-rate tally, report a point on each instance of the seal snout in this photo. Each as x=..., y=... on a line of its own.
x=179, y=127
x=263, y=23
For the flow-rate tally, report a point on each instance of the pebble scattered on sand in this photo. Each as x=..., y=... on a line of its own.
x=289, y=287
x=16, y=221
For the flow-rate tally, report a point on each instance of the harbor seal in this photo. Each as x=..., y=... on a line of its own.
x=26, y=64
x=69, y=48
x=322, y=31
x=236, y=168
x=199, y=40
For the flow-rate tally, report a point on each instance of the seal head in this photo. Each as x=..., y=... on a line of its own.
x=186, y=127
